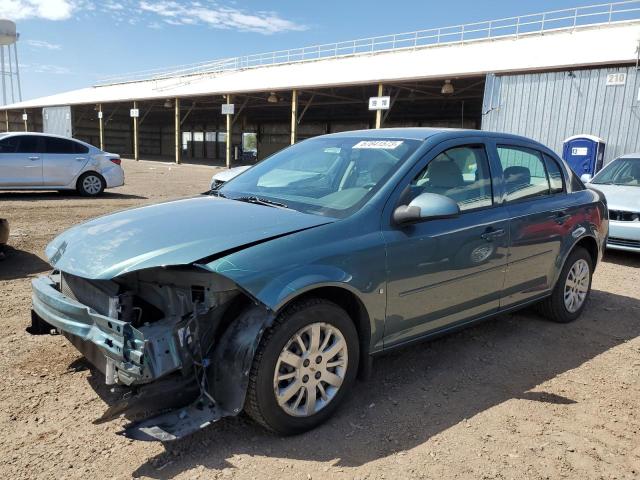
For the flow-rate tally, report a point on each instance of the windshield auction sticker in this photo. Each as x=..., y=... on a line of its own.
x=380, y=144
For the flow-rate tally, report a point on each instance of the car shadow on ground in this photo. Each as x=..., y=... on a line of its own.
x=31, y=195
x=625, y=259
x=420, y=391
x=20, y=264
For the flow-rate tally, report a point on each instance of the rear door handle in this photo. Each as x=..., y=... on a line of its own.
x=80, y=159
x=34, y=158
x=492, y=234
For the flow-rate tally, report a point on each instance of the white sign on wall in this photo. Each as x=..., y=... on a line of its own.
x=379, y=103
x=25, y=116
x=99, y=114
x=614, y=79
x=134, y=112
x=228, y=109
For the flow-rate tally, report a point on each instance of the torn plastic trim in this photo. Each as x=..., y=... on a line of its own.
x=175, y=424
x=228, y=380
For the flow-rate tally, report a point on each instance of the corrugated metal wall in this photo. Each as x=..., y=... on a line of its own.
x=57, y=121
x=550, y=107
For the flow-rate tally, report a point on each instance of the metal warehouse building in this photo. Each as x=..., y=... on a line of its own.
x=547, y=76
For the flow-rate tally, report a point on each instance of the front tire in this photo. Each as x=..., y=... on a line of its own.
x=305, y=365
x=572, y=289
x=90, y=184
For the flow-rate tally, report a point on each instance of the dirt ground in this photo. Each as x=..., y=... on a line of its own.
x=516, y=397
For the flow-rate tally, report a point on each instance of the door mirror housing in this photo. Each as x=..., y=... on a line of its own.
x=586, y=178
x=426, y=206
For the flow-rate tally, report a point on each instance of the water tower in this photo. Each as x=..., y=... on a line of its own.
x=9, y=67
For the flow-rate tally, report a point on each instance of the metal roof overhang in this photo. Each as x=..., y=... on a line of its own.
x=598, y=45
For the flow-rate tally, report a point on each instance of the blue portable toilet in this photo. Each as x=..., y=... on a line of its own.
x=584, y=154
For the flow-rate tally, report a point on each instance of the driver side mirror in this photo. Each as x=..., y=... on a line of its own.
x=427, y=206
x=586, y=177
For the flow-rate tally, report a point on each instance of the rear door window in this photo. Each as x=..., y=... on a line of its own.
x=80, y=148
x=524, y=173
x=60, y=146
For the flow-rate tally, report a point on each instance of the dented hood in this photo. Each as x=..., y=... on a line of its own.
x=173, y=233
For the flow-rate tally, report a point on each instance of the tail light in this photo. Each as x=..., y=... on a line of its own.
x=117, y=161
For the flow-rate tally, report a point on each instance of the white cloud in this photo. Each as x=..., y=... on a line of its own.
x=45, y=9
x=216, y=16
x=43, y=44
x=40, y=68
x=115, y=6
x=154, y=12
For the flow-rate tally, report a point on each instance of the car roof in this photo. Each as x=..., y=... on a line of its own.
x=424, y=133
x=38, y=134
x=630, y=156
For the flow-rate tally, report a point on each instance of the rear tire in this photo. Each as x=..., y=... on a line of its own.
x=324, y=370
x=572, y=289
x=90, y=184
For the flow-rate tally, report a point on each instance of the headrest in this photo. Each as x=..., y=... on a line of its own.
x=445, y=175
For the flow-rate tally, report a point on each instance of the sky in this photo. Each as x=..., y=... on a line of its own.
x=69, y=44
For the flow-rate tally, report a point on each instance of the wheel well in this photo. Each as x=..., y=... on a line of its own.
x=354, y=308
x=90, y=171
x=591, y=246
x=340, y=296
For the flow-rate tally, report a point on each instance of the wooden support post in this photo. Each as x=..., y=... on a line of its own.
x=177, y=130
x=379, y=112
x=101, y=126
x=294, y=115
x=26, y=127
x=228, y=154
x=6, y=119
x=135, y=134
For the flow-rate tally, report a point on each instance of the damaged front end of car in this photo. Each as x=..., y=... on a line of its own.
x=178, y=342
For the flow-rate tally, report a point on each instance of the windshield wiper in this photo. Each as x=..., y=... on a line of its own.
x=217, y=193
x=261, y=201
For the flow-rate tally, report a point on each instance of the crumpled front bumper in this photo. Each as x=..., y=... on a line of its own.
x=131, y=355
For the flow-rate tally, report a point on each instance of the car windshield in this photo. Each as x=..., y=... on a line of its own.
x=624, y=171
x=332, y=176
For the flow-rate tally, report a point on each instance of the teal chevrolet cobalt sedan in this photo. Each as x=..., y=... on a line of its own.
x=271, y=294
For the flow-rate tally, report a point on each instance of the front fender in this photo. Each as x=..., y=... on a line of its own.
x=276, y=272
x=293, y=283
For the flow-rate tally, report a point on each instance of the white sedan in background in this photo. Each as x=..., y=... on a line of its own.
x=620, y=183
x=224, y=176
x=36, y=161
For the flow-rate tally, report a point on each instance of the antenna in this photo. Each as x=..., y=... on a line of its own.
x=9, y=66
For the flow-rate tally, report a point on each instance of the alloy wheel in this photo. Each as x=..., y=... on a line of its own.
x=310, y=369
x=576, y=286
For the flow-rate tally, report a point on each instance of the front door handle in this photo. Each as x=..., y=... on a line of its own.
x=80, y=159
x=34, y=158
x=491, y=234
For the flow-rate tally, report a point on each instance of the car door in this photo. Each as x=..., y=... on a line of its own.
x=446, y=271
x=540, y=213
x=21, y=161
x=63, y=161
